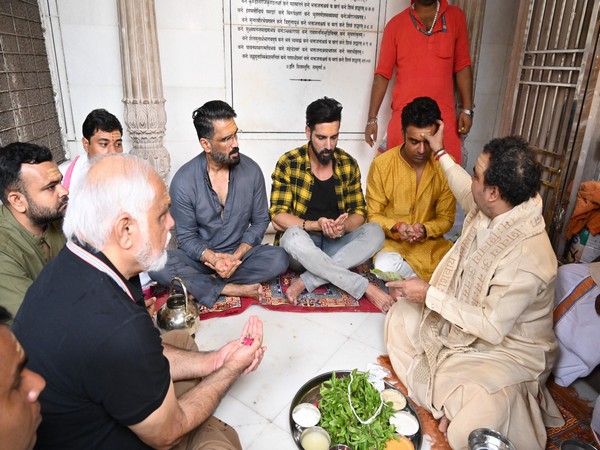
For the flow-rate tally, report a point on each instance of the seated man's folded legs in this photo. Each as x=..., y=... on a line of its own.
x=401, y=335
x=512, y=411
x=197, y=277
x=479, y=390
x=260, y=264
x=393, y=262
x=213, y=433
x=332, y=261
x=349, y=251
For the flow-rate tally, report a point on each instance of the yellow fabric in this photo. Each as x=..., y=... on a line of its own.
x=291, y=190
x=392, y=196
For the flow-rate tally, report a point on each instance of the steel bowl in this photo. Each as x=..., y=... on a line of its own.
x=574, y=444
x=310, y=392
x=324, y=435
x=306, y=415
x=488, y=439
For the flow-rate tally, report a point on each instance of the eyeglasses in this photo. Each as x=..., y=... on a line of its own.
x=228, y=139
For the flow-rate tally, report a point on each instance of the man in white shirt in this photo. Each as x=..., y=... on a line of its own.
x=576, y=321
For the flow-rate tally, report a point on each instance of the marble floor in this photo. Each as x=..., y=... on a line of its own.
x=299, y=347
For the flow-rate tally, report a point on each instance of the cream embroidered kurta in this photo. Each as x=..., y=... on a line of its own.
x=481, y=348
x=393, y=196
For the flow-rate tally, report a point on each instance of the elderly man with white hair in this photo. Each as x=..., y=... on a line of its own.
x=111, y=383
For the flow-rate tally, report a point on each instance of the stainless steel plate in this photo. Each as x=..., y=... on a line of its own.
x=310, y=393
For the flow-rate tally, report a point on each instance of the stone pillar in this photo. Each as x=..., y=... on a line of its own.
x=145, y=115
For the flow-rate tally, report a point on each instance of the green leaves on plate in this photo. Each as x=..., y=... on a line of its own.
x=340, y=422
x=386, y=276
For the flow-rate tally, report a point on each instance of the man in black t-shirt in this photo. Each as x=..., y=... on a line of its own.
x=110, y=380
x=318, y=210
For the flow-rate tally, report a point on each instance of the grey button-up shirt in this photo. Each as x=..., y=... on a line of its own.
x=201, y=222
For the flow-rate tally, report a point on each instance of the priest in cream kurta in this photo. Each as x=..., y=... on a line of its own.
x=476, y=345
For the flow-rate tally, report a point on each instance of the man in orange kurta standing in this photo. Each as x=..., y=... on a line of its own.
x=428, y=45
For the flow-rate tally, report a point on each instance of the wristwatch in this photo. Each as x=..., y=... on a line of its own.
x=468, y=112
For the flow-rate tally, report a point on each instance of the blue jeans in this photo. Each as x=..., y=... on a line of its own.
x=329, y=260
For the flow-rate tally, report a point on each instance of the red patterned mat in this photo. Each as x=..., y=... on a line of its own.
x=576, y=411
x=327, y=298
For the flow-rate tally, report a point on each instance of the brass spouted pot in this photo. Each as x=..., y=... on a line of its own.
x=178, y=313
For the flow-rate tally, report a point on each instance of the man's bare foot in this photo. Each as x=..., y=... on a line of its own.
x=244, y=290
x=443, y=426
x=293, y=292
x=379, y=298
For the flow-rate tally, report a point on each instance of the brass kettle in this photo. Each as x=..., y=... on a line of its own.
x=178, y=313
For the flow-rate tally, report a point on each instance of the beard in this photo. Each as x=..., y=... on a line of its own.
x=152, y=260
x=226, y=159
x=42, y=215
x=324, y=156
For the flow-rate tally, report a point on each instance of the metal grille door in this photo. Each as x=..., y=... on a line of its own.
x=552, y=56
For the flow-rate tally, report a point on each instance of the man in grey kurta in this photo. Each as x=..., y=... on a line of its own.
x=220, y=208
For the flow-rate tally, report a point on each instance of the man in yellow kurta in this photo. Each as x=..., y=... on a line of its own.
x=408, y=195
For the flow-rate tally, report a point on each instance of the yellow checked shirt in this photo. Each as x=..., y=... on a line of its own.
x=293, y=180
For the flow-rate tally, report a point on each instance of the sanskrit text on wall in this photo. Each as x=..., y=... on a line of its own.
x=307, y=35
x=307, y=45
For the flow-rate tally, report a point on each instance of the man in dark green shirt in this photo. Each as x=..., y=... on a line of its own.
x=34, y=204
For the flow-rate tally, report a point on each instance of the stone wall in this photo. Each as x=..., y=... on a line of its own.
x=27, y=106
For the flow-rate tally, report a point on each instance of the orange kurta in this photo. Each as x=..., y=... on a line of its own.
x=425, y=66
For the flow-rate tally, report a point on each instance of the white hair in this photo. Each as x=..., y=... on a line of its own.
x=98, y=201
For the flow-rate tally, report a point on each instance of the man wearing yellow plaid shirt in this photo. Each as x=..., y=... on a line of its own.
x=318, y=210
